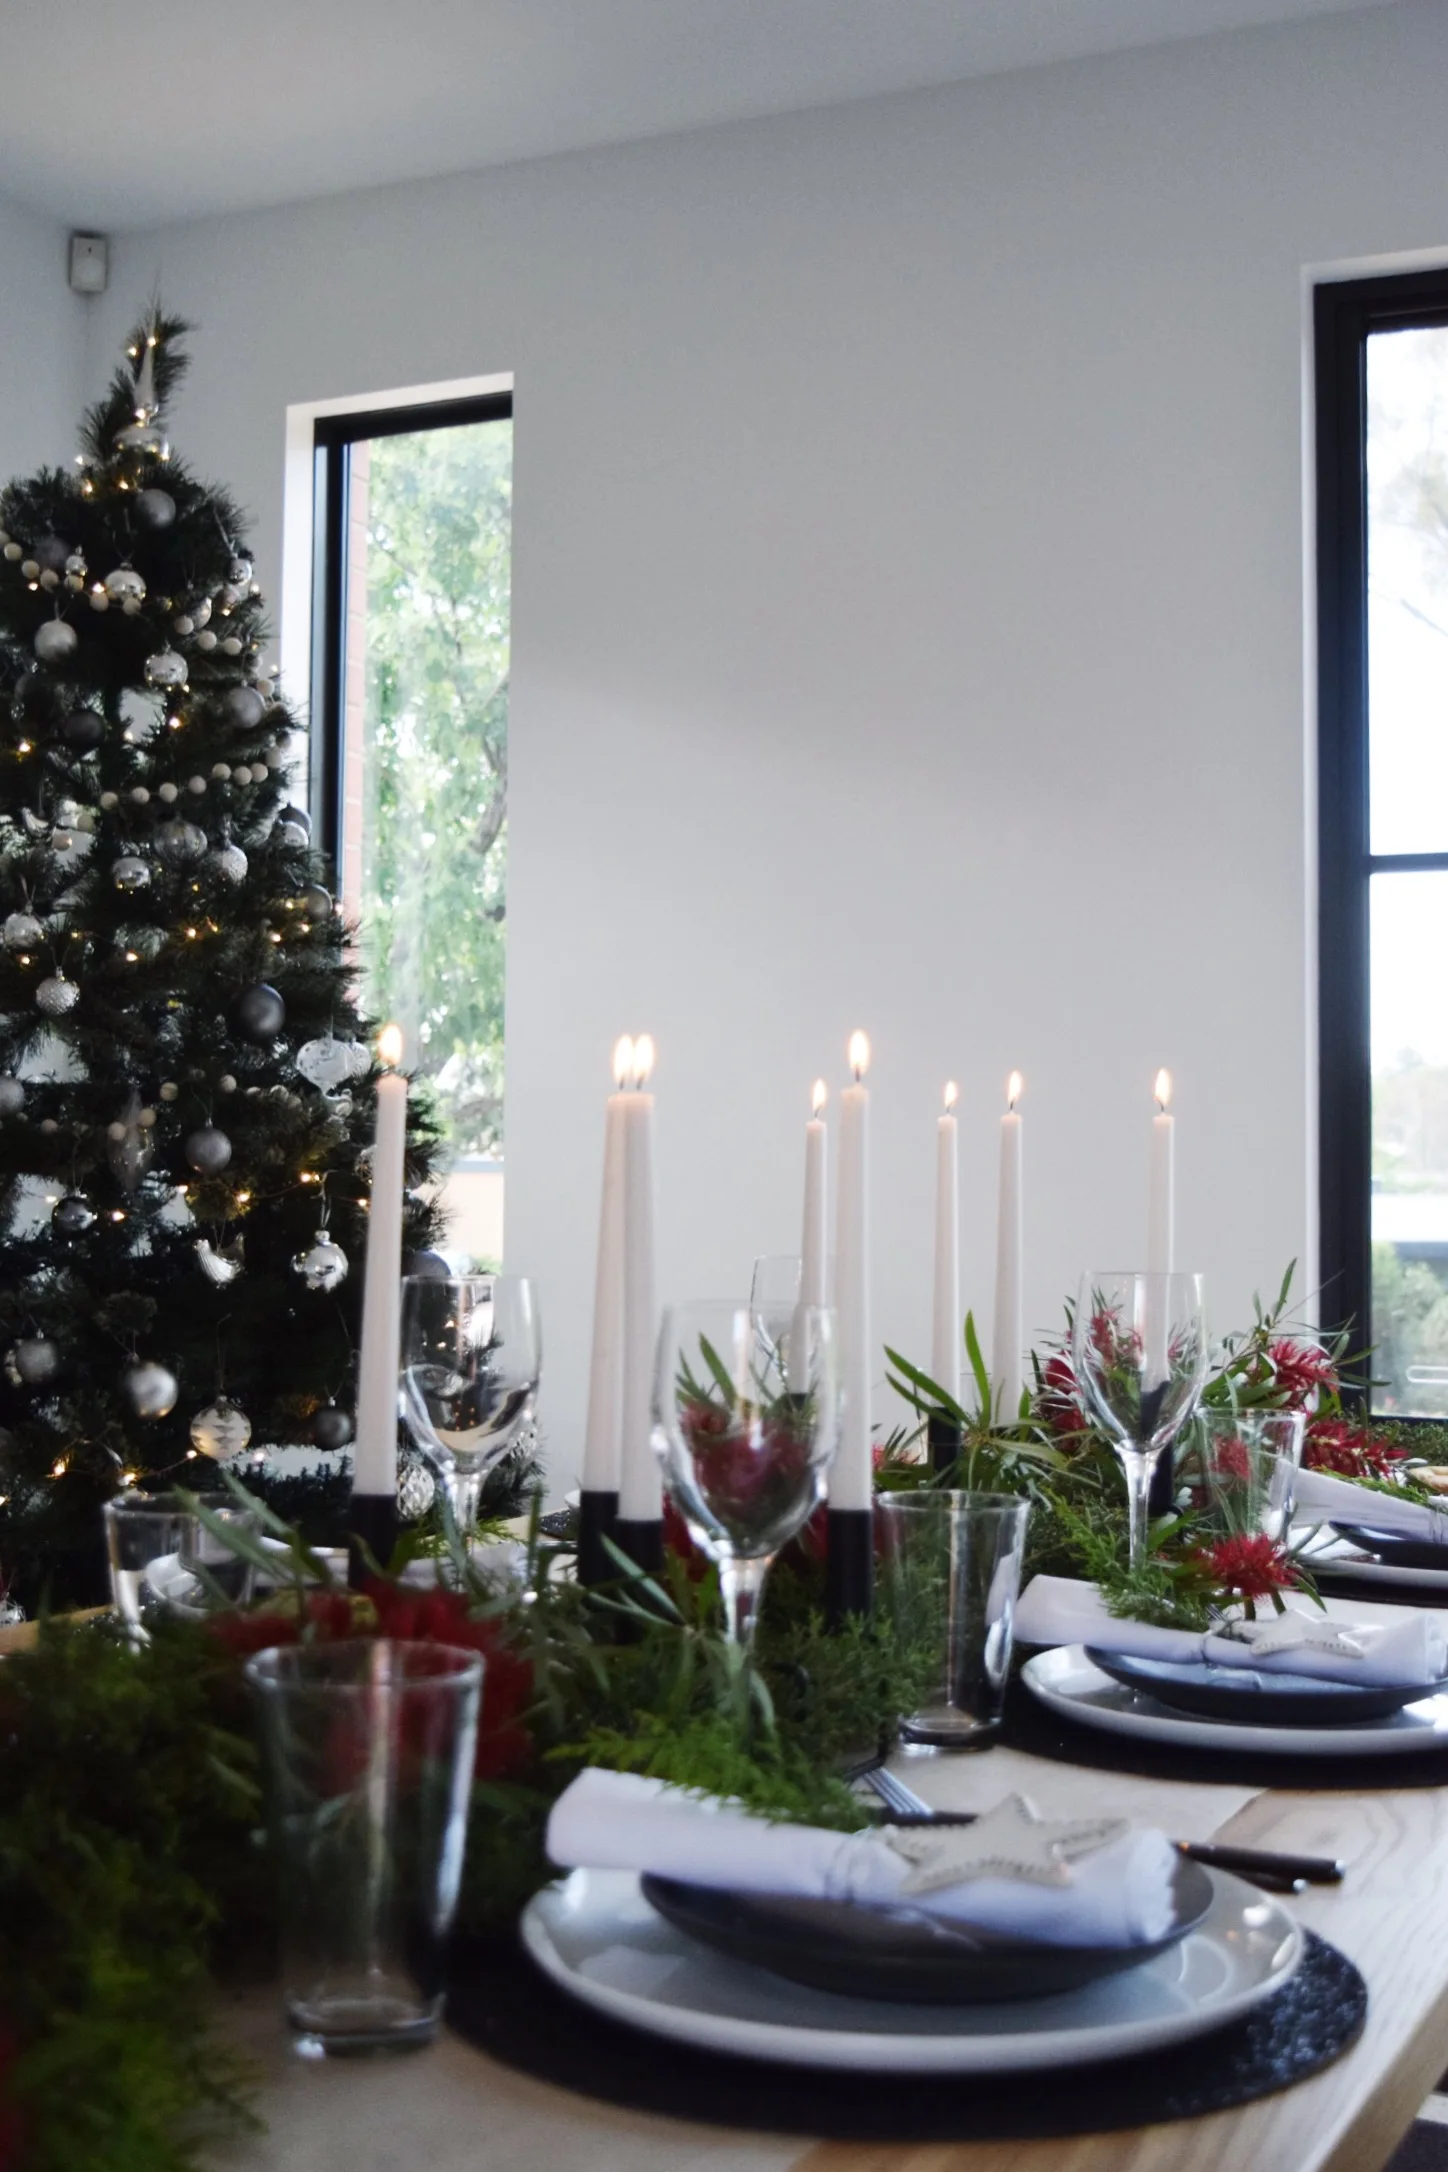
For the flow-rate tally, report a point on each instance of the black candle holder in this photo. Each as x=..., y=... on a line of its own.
x=849, y=1566
x=597, y=1523
x=642, y=1539
x=946, y=1437
x=372, y=1527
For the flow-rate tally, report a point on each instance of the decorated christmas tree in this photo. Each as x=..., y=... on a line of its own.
x=186, y=1088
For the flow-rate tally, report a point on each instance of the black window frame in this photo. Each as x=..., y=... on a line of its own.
x=332, y=438
x=1346, y=313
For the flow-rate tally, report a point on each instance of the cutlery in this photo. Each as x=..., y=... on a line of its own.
x=1274, y=1872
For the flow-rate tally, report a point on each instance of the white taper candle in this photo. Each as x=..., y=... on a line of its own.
x=945, y=1335
x=851, y=1479
x=1008, y=1355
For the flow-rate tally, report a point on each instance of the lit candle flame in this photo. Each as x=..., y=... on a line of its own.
x=623, y=1060
x=389, y=1047
x=859, y=1055
x=952, y=1095
x=1014, y=1084
x=818, y=1097
x=643, y=1062
x=1162, y=1089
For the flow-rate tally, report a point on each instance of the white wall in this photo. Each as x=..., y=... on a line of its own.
x=42, y=335
x=908, y=622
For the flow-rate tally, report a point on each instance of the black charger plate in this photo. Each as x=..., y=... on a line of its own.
x=1246, y=1696
x=870, y=1953
x=1395, y=1551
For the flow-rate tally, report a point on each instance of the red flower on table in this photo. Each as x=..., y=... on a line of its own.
x=1349, y=1451
x=1059, y=1403
x=1253, y=1566
x=1302, y=1371
x=1231, y=1463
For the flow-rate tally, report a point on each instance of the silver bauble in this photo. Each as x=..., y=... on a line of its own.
x=55, y=640
x=220, y=1264
x=149, y=1388
x=260, y=1012
x=208, y=1150
x=299, y=817
x=146, y=438
x=178, y=842
x=52, y=554
x=130, y=873
x=416, y=1490
x=316, y=902
x=83, y=728
x=228, y=862
x=155, y=508
x=125, y=581
x=243, y=708
x=221, y=1431
x=12, y=1096
x=165, y=668
x=323, y=1266
x=57, y=995
x=75, y=565
x=331, y=1428
x=33, y=1361
x=22, y=931
x=73, y=1215
x=287, y=833
x=239, y=571
x=329, y=1062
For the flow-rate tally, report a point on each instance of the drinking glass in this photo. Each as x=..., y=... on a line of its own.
x=369, y=1749
x=471, y=1356
x=1140, y=1352
x=951, y=1569
x=747, y=1419
x=162, y=1532
x=1249, y=1464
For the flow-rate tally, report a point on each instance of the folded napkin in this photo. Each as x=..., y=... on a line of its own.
x=1320, y=1497
x=1411, y=1648
x=1064, y=1881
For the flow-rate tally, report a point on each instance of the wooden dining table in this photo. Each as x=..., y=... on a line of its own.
x=450, y=2108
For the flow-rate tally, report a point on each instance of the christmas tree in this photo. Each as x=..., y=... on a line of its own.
x=186, y=1087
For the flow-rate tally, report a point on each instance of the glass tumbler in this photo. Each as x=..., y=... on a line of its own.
x=1249, y=1462
x=158, y=1548
x=951, y=1570
x=369, y=1748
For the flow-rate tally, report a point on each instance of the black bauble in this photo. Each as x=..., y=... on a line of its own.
x=73, y=1215
x=316, y=902
x=51, y=554
x=208, y=1150
x=428, y=1267
x=155, y=508
x=331, y=1428
x=260, y=1012
x=243, y=708
x=83, y=728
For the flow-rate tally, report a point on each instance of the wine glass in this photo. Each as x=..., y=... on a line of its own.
x=747, y=1419
x=471, y=1357
x=1140, y=1352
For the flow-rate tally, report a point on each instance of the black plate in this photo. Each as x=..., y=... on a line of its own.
x=868, y=1953
x=1394, y=1551
x=1254, y=1699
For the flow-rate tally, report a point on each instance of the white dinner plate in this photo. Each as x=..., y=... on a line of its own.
x=597, y=1937
x=1328, y=1552
x=1066, y=1681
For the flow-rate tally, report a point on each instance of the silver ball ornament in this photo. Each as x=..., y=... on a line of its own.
x=155, y=508
x=243, y=708
x=130, y=874
x=316, y=902
x=208, y=1150
x=22, y=931
x=12, y=1096
x=228, y=862
x=75, y=565
x=55, y=640
x=32, y=1361
x=260, y=1012
x=221, y=1431
x=57, y=995
x=73, y=1215
x=150, y=1389
x=165, y=668
x=178, y=842
x=239, y=571
x=416, y=1490
x=288, y=833
x=323, y=1266
x=123, y=583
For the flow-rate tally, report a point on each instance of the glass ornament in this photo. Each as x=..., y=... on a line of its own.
x=178, y=842
x=130, y=873
x=221, y=1431
x=22, y=931
x=73, y=1215
x=57, y=995
x=125, y=582
x=150, y=1388
x=323, y=1266
x=165, y=668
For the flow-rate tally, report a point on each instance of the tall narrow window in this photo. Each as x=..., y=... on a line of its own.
x=410, y=781
x=1383, y=608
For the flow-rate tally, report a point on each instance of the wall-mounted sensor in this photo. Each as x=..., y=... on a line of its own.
x=89, y=263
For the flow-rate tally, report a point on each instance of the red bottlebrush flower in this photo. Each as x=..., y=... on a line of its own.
x=677, y=1541
x=1253, y=1566
x=443, y=1617
x=1059, y=1403
x=1302, y=1370
x=1231, y=1462
x=1350, y=1451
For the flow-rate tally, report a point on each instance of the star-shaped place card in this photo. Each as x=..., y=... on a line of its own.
x=1010, y=1841
x=1294, y=1632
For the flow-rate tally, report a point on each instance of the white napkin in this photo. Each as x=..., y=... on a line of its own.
x=1119, y=1896
x=1411, y=1647
x=1322, y=1498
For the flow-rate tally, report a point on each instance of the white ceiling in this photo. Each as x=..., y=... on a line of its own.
x=119, y=113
